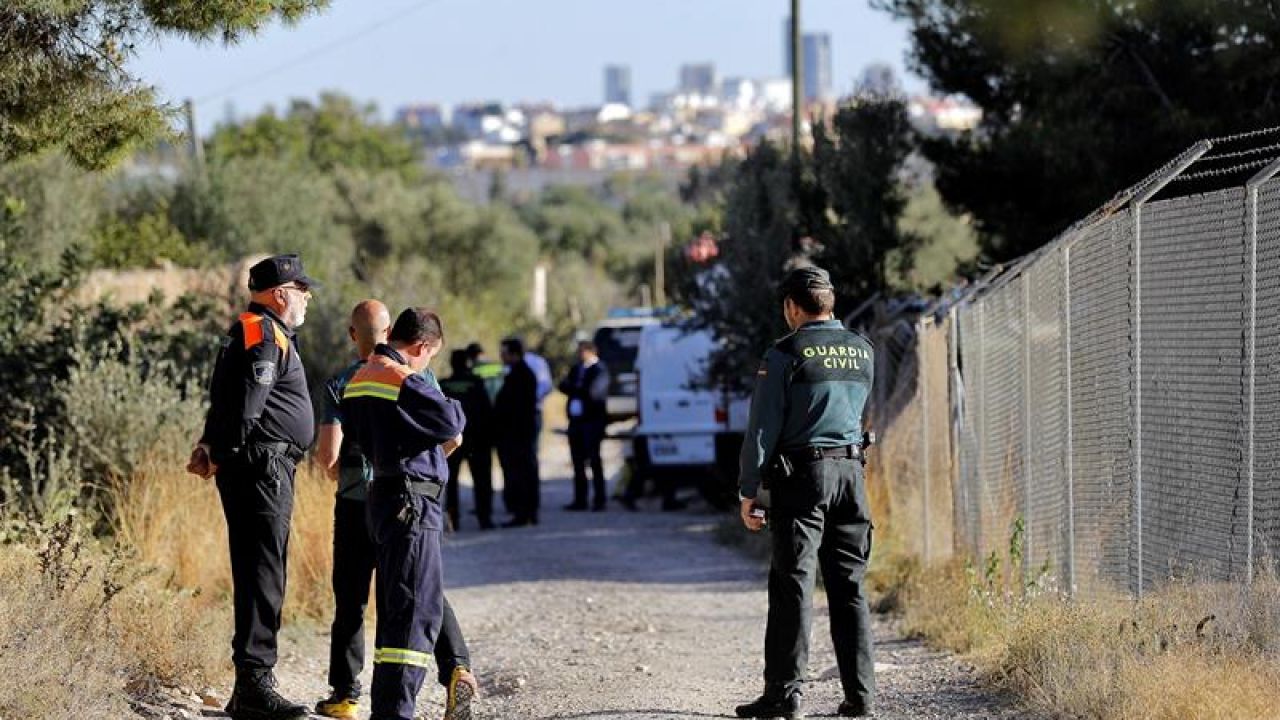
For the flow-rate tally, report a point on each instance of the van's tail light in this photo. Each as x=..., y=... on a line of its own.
x=722, y=414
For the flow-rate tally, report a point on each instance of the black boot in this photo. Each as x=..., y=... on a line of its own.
x=255, y=698
x=773, y=705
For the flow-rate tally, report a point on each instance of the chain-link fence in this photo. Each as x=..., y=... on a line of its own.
x=1116, y=395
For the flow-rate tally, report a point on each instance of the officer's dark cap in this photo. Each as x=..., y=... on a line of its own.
x=805, y=280
x=277, y=271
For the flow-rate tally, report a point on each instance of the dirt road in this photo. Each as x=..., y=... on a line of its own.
x=635, y=615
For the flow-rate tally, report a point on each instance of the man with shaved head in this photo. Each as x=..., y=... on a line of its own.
x=354, y=554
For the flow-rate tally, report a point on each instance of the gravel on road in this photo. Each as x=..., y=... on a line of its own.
x=635, y=615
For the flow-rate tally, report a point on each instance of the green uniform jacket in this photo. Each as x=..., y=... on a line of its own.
x=810, y=391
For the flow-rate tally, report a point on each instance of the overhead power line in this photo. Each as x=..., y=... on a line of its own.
x=319, y=51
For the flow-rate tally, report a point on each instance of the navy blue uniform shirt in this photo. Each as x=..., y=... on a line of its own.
x=259, y=390
x=399, y=419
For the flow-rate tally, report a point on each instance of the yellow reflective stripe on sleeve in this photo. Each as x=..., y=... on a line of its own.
x=368, y=388
x=401, y=656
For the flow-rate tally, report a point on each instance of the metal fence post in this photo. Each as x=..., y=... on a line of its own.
x=1028, y=445
x=1070, y=457
x=922, y=369
x=1136, y=524
x=985, y=432
x=953, y=407
x=1153, y=188
x=1251, y=340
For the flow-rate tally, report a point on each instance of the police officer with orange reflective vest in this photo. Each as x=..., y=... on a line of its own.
x=405, y=427
x=804, y=445
x=259, y=424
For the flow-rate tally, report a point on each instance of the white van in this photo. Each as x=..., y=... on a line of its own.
x=686, y=429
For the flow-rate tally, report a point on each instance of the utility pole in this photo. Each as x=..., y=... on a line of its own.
x=660, y=265
x=538, y=303
x=195, y=150
x=797, y=81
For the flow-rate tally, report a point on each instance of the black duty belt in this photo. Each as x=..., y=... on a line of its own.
x=289, y=450
x=813, y=454
x=429, y=488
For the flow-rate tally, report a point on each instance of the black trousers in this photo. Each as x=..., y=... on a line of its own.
x=479, y=457
x=406, y=535
x=521, y=493
x=585, y=437
x=820, y=519
x=257, y=500
x=353, y=566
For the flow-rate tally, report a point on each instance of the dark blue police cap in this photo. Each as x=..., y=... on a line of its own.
x=278, y=270
x=805, y=279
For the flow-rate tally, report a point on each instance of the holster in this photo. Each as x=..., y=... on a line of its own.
x=779, y=468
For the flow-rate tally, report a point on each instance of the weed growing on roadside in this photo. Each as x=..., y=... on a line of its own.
x=83, y=633
x=1187, y=650
x=173, y=523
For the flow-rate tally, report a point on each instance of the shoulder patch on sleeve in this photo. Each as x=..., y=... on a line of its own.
x=264, y=373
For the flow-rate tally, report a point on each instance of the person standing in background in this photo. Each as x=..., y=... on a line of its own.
x=468, y=388
x=587, y=389
x=489, y=372
x=516, y=411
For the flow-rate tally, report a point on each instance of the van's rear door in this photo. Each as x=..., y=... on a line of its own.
x=677, y=414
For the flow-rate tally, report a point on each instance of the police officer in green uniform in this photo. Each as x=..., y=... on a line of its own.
x=801, y=472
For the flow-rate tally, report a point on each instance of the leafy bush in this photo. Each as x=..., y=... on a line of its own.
x=79, y=383
x=144, y=242
x=838, y=206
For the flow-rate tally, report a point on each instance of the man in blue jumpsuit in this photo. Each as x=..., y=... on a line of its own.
x=405, y=428
x=803, y=445
x=353, y=548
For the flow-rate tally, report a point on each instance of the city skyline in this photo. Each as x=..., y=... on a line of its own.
x=506, y=51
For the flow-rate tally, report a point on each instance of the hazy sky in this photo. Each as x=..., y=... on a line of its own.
x=394, y=52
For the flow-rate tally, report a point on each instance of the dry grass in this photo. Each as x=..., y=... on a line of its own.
x=1188, y=651
x=82, y=634
x=85, y=628
x=174, y=523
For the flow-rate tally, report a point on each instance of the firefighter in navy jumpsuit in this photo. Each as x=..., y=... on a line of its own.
x=405, y=426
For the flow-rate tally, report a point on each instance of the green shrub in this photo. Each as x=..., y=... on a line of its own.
x=144, y=242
